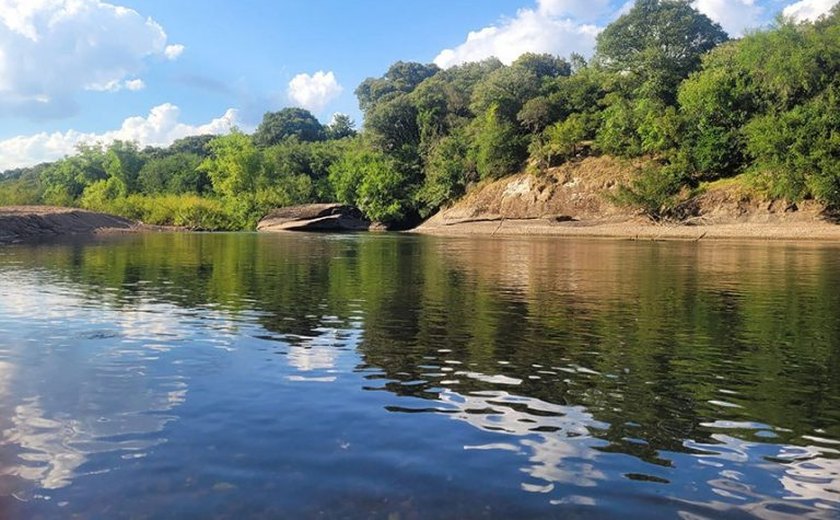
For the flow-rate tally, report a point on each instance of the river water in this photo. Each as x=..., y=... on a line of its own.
x=403, y=377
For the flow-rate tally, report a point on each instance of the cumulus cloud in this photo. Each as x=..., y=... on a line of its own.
x=159, y=128
x=51, y=49
x=809, y=9
x=172, y=52
x=579, y=9
x=314, y=92
x=532, y=30
x=735, y=16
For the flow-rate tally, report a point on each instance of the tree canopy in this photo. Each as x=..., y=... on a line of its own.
x=289, y=122
x=658, y=43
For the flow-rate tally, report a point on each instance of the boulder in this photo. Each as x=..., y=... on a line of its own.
x=315, y=217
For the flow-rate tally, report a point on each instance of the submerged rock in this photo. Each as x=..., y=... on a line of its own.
x=315, y=217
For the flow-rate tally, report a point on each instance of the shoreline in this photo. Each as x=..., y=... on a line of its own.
x=638, y=230
x=30, y=223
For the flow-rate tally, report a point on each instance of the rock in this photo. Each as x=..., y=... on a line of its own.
x=315, y=217
x=20, y=223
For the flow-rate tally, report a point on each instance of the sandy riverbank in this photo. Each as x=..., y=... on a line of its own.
x=639, y=229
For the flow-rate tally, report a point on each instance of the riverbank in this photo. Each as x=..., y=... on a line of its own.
x=637, y=229
x=25, y=223
x=578, y=200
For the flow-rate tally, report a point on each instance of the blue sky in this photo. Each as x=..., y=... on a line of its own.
x=156, y=70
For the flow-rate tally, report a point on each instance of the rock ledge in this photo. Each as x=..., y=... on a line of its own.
x=315, y=217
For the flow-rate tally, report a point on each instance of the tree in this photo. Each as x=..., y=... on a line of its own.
x=658, y=42
x=235, y=164
x=500, y=149
x=507, y=89
x=65, y=180
x=123, y=162
x=447, y=171
x=177, y=173
x=543, y=65
x=393, y=124
x=401, y=78
x=797, y=152
x=340, y=127
x=194, y=144
x=714, y=104
x=371, y=181
x=289, y=122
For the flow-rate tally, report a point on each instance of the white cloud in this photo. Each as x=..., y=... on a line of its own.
x=735, y=16
x=160, y=128
x=116, y=85
x=578, y=9
x=51, y=49
x=172, y=52
x=135, y=84
x=541, y=30
x=809, y=9
x=314, y=92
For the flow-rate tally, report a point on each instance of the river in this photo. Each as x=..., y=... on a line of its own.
x=401, y=377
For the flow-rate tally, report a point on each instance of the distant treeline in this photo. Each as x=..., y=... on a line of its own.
x=666, y=84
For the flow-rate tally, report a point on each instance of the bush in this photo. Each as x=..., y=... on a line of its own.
x=655, y=191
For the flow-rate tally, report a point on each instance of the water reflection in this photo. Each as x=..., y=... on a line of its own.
x=616, y=378
x=80, y=380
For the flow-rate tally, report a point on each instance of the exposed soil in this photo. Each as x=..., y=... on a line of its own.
x=574, y=200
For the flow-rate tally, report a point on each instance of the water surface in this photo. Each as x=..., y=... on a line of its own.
x=400, y=377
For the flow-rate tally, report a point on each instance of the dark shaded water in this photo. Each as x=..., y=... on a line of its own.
x=398, y=377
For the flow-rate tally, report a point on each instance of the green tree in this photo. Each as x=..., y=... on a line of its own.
x=393, y=124
x=123, y=162
x=447, y=171
x=234, y=166
x=714, y=104
x=500, y=149
x=371, y=181
x=177, y=173
x=194, y=144
x=797, y=152
x=289, y=122
x=658, y=42
x=340, y=127
x=401, y=78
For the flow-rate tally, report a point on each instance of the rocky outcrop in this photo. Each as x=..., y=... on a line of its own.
x=572, y=193
x=315, y=217
x=575, y=200
x=21, y=223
